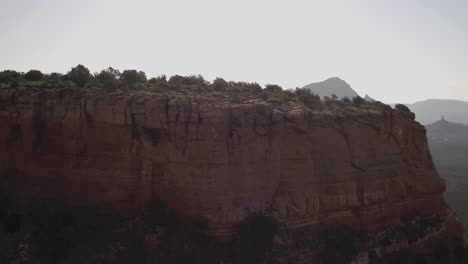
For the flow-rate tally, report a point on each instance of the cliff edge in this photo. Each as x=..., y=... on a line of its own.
x=213, y=161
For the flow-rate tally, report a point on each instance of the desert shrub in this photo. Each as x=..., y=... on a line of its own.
x=9, y=76
x=289, y=94
x=180, y=81
x=381, y=105
x=65, y=77
x=263, y=95
x=79, y=75
x=346, y=100
x=358, y=100
x=308, y=98
x=273, y=94
x=243, y=89
x=33, y=75
x=133, y=77
x=177, y=81
x=54, y=77
x=253, y=88
x=219, y=84
x=159, y=82
x=159, y=79
x=274, y=88
x=107, y=74
x=108, y=78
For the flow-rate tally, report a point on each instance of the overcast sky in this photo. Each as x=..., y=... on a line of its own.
x=394, y=50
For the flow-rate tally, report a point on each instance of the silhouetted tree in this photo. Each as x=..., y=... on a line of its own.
x=132, y=77
x=79, y=75
x=273, y=88
x=9, y=76
x=158, y=80
x=307, y=98
x=346, y=99
x=192, y=81
x=108, y=77
x=255, y=88
x=358, y=100
x=55, y=76
x=219, y=84
x=107, y=74
x=33, y=75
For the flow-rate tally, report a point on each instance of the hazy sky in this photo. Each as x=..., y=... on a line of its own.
x=395, y=50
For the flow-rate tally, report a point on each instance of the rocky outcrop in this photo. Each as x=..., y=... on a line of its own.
x=211, y=161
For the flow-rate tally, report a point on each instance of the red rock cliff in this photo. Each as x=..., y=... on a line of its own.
x=210, y=160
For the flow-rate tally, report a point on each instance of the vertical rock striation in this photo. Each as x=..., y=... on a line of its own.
x=210, y=160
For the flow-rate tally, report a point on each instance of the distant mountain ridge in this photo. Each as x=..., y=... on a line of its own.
x=431, y=110
x=332, y=86
x=448, y=142
x=446, y=131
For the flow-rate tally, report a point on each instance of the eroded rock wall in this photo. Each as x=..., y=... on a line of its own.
x=211, y=161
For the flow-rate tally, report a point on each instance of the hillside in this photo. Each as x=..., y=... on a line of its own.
x=449, y=144
x=332, y=86
x=431, y=110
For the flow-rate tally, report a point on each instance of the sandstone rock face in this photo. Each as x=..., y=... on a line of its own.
x=212, y=161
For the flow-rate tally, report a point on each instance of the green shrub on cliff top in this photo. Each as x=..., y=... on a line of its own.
x=308, y=98
x=219, y=84
x=33, y=75
x=177, y=86
x=109, y=78
x=79, y=75
x=133, y=77
x=9, y=76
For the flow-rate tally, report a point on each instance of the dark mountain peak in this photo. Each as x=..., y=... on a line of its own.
x=330, y=86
